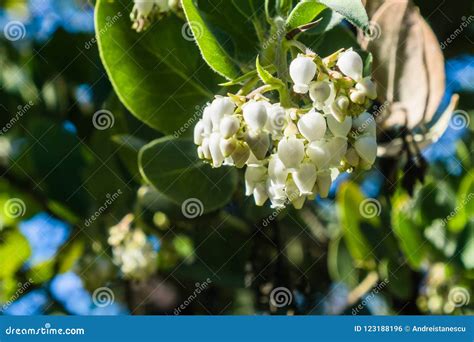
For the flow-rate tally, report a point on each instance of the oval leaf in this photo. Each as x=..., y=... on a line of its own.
x=174, y=169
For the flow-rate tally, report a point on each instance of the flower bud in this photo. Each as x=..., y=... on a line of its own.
x=229, y=126
x=305, y=178
x=350, y=64
x=227, y=146
x=357, y=96
x=291, y=152
x=215, y=148
x=255, y=114
x=198, y=132
x=259, y=143
x=339, y=108
x=205, y=148
x=367, y=87
x=312, y=125
x=302, y=72
x=324, y=183
x=337, y=128
x=318, y=152
x=240, y=155
x=366, y=147
x=206, y=120
x=220, y=106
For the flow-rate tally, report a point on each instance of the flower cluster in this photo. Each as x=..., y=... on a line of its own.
x=294, y=153
x=131, y=249
x=144, y=12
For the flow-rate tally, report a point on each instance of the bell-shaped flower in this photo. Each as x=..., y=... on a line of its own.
x=220, y=107
x=277, y=171
x=206, y=120
x=302, y=72
x=337, y=149
x=339, y=107
x=357, y=96
x=255, y=114
x=312, y=125
x=229, y=125
x=276, y=119
x=259, y=143
x=339, y=128
x=205, y=149
x=215, y=149
x=291, y=152
x=367, y=87
x=293, y=194
x=366, y=147
x=198, y=132
x=241, y=154
x=228, y=146
x=254, y=174
x=141, y=14
x=260, y=194
x=364, y=124
x=319, y=91
x=276, y=194
x=350, y=64
x=305, y=178
x=324, y=183
x=319, y=153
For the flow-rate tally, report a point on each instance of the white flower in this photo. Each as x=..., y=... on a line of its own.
x=141, y=14
x=255, y=114
x=366, y=147
x=277, y=170
x=305, y=178
x=339, y=107
x=229, y=125
x=357, y=96
x=254, y=174
x=219, y=107
x=291, y=152
x=260, y=194
x=350, y=64
x=276, y=194
x=367, y=87
x=312, y=125
x=302, y=72
x=205, y=148
x=324, y=183
x=318, y=152
x=215, y=149
x=319, y=91
x=228, y=146
x=198, y=132
x=276, y=119
x=364, y=124
x=259, y=143
x=206, y=120
x=337, y=149
x=293, y=194
x=339, y=128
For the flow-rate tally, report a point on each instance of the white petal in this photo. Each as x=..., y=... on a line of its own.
x=324, y=184
x=255, y=114
x=240, y=155
x=319, y=91
x=228, y=146
x=277, y=170
x=357, y=96
x=205, y=148
x=276, y=118
x=337, y=148
x=366, y=147
x=260, y=194
x=350, y=64
x=229, y=126
x=291, y=152
x=318, y=152
x=215, y=148
x=339, y=129
x=367, y=87
x=206, y=120
x=198, y=132
x=364, y=123
x=312, y=125
x=220, y=106
x=305, y=178
x=352, y=157
x=302, y=72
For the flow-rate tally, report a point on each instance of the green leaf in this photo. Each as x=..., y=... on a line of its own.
x=267, y=77
x=459, y=217
x=349, y=200
x=303, y=13
x=352, y=10
x=14, y=251
x=409, y=235
x=172, y=166
x=158, y=75
x=69, y=255
x=340, y=263
x=398, y=277
x=212, y=52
